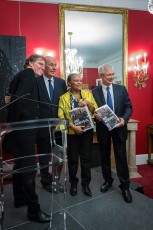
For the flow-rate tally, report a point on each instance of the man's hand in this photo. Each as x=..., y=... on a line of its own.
x=7, y=99
x=122, y=122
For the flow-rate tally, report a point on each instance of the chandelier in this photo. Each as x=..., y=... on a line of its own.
x=150, y=6
x=73, y=63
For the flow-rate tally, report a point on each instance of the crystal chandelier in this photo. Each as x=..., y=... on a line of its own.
x=150, y=6
x=73, y=63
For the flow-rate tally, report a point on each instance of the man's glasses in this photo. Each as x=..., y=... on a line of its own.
x=110, y=74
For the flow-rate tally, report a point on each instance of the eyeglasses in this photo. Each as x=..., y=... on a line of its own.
x=110, y=74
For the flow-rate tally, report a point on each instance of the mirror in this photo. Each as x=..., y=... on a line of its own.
x=99, y=35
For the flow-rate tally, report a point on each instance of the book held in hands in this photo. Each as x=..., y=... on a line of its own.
x=81, y=117
x=108, y=117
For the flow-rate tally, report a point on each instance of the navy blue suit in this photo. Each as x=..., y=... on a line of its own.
x=47, y=111
x=59, y=89
x=123, y=109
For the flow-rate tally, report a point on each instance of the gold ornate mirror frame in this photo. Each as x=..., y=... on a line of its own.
x=69, y=7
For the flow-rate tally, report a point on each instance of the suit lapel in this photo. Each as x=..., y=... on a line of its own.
x=101, y=98
x=115, y=92
x=43, y=87
x=55, y=95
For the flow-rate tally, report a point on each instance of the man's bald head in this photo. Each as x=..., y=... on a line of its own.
x=50, y=67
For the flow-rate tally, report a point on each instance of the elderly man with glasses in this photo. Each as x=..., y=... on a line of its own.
x=117, y=98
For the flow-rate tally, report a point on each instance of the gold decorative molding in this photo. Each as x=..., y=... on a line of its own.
x=123, y=12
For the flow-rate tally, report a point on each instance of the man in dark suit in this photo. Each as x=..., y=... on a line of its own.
x=117, y=97
x=21, y=143
x=48, y=111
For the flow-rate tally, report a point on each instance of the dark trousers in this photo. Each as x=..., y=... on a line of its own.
x=44, y=147
x=120, y=159
x=24, y=190
x=25, y=169
x=80, y=146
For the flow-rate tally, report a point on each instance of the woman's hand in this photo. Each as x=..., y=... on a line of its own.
x=78, y=129
x=83, y=103
x=97, y=116
x=87, y=103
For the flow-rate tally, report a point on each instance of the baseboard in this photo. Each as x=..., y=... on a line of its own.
x=142, y=159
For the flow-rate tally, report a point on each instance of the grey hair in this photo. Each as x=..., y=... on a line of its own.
x=102, y=68
x=32, y=58
x=70, y=76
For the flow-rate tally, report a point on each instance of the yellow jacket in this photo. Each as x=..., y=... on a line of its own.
x=65, y=107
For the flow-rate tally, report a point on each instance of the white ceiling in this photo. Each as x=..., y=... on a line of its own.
x=129, y=4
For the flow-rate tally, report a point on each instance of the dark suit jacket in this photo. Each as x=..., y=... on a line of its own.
x=47, y=110
x=22, y=142
x=122, y=108
x=24, y=82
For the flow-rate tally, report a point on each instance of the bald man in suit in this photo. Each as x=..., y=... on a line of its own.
x=48, y=111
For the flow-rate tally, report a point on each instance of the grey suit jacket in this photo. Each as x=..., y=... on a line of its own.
x=122, y=108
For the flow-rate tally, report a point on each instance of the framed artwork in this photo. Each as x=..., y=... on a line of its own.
x=12, y=58
x=98, y=82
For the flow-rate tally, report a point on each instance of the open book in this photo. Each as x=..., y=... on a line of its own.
x=81, y=116
x=108, y=117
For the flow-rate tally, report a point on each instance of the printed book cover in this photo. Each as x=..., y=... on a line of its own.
x=108, y=117
x=81, y=116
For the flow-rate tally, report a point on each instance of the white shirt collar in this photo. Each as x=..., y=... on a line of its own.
x=46, y=79
x=105, y=86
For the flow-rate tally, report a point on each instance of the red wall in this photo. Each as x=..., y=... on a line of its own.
x=39, y=23
x=90, y=75
x=140, y=38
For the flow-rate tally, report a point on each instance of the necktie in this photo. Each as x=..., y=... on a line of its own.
x=51, y=90
x=109, y=98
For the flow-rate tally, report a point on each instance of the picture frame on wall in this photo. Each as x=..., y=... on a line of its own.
x=12, y=59
x=98, y=82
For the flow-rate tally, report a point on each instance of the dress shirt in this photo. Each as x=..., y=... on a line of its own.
x=47, y=85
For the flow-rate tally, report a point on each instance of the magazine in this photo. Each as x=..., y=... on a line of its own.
x=108, y=117
x=81, y=116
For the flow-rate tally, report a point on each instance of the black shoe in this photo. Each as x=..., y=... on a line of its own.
x=106, y=185
x=86, y=190
x=127, y=195
x=46, y=179
x=60, y=188
x=48, y=187
x=40, y=217
x=73, y=190
x=19, y=203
